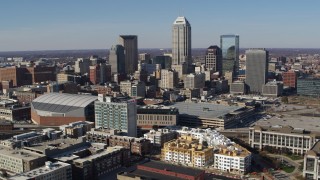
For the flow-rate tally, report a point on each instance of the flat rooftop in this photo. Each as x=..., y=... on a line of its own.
x=105, y=152
x=204, y=110
x=305, y=122
x=20, y=154
x=172, y=168
x=41, y=171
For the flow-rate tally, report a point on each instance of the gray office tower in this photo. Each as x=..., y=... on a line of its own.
x=229, y=45
x=181, y=41
x=256, y=69
x=213, y=59
x=130, y=44
x=117, y=59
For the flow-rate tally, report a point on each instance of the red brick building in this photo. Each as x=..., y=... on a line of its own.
x=27, y=75
x=160, y=170
x=289, y=79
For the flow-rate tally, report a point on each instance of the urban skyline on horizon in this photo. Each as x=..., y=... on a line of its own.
x=88, y=25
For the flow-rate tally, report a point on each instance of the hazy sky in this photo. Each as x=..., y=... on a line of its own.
x=96, y=24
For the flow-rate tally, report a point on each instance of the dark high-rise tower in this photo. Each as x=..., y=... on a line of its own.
x=213, y=59
x=130, y=44
x=256, y=69
x=229, y=45
x=117, y=59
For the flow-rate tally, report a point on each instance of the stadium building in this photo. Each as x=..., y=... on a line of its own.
x=56, y=109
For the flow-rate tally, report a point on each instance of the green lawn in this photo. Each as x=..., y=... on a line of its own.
x=295, y=157
x=288, y=169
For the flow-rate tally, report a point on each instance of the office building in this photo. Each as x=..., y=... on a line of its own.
x=181, y=41
x=169, y=79
x=160, y=136
x=27, y=75
x=133, y=89
x=229, y=45
x=256, y=69
x=308, y=86
x=289, y=79
x=100, y=73
x=311, y=163
x=117, y=59
x=159, y=116
x=194, y=80
x=182, y=69
x=76, y=129
x=144, y=57
x=81, y=66
x=297, y=140
x=272, y=89
x=56, y=109
x=20, y=160
x=238, y=87
x=53, y=171
x=187, y=151
x=130, y=44
x=164, y=61
x=114, y=113
x=213, y=59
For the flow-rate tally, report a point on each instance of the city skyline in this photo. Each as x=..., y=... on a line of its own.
x=60, y=25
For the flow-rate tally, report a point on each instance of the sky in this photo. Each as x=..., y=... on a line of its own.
x=96, y=24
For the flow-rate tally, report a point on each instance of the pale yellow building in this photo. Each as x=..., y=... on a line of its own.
x=187, y=151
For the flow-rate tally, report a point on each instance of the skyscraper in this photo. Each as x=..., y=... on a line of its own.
x=181, y=41
x=229, y=45
x=213, y=59
x=256, y=69
x=117, y=59
x=130, y=44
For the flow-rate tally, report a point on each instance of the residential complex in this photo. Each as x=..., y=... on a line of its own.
x=117, y=114
x=187, y=151
x=233, y=158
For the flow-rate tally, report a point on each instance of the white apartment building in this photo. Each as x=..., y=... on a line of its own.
x=233, y=159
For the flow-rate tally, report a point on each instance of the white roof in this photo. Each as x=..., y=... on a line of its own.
x=181, y=20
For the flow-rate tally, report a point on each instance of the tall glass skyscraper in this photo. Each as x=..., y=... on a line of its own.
x=229, y=45
x=181, y=41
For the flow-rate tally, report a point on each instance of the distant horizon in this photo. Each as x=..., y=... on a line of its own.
x=142, y=49
x=82, y=24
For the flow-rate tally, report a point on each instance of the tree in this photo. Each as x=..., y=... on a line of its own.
x=285, y=99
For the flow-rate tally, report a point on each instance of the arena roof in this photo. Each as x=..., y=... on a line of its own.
x=62, y=102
